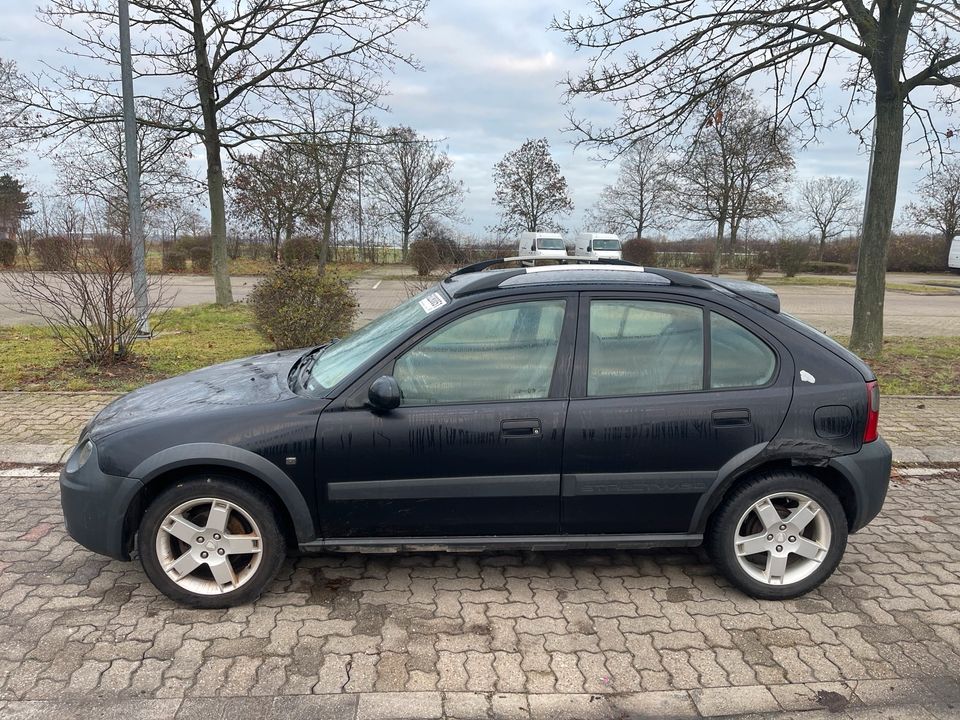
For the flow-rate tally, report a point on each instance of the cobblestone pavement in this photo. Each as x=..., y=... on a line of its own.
x=511, y=635
x=43, y=426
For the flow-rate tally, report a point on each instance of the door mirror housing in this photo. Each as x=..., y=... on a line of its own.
x=384, y=394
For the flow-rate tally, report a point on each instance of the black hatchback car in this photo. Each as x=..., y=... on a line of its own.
x=558, y=406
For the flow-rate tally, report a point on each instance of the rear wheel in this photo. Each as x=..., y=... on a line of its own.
x=779, y=535
x=211, y=543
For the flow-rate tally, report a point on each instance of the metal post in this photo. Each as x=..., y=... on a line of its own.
x=138, y=239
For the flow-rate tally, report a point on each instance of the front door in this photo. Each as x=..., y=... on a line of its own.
x=665, y=393
x=475, y=447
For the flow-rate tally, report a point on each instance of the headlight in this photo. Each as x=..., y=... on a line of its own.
x=80, y=456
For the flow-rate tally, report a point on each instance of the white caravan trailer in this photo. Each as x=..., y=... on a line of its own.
x=540, y=244
x=954, y=260
x=602, y=246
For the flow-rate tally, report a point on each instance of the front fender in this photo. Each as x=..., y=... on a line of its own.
x=236, y=458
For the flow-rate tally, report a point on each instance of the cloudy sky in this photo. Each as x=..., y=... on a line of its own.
x=491, y=78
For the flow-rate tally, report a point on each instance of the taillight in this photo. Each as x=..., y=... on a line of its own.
x=873, y=412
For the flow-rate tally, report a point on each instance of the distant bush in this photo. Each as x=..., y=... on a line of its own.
x=294, y=307
x=200, y=259
x=791, y=255
x=114, y=251
x=8, y=253
x=915, y=253
x=842, y=251
x=300, y=251
x=52, y=252
x=754, y=270
x=818, y=267
x=174, y=262
x=187, y=243
x=640, y=251
x=424, y=256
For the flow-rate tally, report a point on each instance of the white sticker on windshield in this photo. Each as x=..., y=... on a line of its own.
x=433, y=302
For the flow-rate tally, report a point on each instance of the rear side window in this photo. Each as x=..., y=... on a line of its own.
x=738, y=358
x=640, y=346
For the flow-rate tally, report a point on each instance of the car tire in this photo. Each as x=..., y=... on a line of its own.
x=211, y=542
x=797, y=548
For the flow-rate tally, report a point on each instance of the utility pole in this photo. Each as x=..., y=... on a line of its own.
x=138, y=240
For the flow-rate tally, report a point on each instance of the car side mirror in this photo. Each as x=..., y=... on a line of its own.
x=384, y=394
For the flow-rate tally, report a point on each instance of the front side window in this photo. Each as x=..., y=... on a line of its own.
x=641, y=346
x=507, y=352
x=738, y=358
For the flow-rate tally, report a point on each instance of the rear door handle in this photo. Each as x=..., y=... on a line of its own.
x=520, y=428
x=731, y=418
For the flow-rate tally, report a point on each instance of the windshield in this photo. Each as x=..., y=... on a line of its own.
x=550, y=244
x=606, y=244
x=350, y=353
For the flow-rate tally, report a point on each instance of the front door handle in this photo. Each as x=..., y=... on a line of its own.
x=731, y=418
x=521, y=428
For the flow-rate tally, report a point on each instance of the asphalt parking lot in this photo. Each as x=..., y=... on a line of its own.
x=513, y=635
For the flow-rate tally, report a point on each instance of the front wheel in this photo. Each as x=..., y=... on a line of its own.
x=211, y=543
x=779, y=535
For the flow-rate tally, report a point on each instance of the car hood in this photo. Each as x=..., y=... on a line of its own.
x=256, y=380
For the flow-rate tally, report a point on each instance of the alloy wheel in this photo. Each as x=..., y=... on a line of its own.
x=782, y=538
x=209, y=546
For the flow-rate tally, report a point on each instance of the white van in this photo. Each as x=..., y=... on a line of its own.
x=540, y=244
x=602, y=246
x=953, y=262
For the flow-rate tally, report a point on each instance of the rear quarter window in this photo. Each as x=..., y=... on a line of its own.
x=738, y=358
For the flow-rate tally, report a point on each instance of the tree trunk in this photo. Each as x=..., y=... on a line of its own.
x=823, y=244
x=718, y=251
x=325, y=234
x=211, y=144
x=866, y=338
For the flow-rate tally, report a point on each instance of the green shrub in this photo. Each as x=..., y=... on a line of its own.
x=186, y=243
x=52, y=252
x=424, y=256
x=174, y=262
x=818, y=267
x=294, y=307
x=640, y=251
x=791, y=255
x=8, y=253
x=754, y=270
x=200, y=259
x=300, y=251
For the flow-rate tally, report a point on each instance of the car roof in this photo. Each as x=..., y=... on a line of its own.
x=485, y=276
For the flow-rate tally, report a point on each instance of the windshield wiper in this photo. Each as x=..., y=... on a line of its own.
x=309, y=360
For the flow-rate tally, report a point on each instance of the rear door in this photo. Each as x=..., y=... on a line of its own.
x=667, y=389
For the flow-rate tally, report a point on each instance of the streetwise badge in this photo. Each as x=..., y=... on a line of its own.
x=432, y=302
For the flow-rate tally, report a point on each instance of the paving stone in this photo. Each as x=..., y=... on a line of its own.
x=400, y=706
x=716, y=702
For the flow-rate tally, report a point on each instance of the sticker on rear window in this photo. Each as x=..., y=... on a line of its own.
x=433, y=302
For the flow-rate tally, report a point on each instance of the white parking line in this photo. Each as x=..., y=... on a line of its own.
x=376, y=285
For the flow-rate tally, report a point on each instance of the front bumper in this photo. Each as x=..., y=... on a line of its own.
x=95, y=505
x=868, y=472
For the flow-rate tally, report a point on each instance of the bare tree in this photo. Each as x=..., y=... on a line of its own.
x=830, y=205
x=938, y=204
x=92, y=164
x=215, y=68
x=273, y=189
x=637, y=202
x=12, y=89
x=413, y=182
x=530, y=189
x=658, y=60
x=735, y=169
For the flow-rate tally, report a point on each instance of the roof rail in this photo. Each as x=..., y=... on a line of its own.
x=484, y=264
